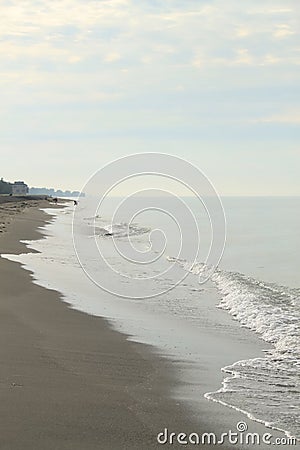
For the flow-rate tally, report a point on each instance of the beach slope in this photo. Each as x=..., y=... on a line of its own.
x=67, y=381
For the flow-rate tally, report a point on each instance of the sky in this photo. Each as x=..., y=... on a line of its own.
x=216, y=82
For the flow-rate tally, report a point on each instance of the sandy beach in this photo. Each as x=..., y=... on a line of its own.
x=67, y=381
x=149, y=225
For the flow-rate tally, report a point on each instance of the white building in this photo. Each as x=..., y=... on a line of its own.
x=19, y=188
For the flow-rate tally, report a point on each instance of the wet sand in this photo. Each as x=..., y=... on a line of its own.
x=67, y=381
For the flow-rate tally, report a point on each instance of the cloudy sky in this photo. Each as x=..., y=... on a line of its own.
x=213, y=81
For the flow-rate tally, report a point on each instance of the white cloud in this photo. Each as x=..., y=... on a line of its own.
x=198, y=62
x=283, y=31
x=42, y=50
x=27, y=16
x=243, y=57
x=112, y=57
x=291, y=117
x=74, y=59
x=74, y=30
x=271, y=60
x=77, y=47
x=270, y=11
x=163, y=73
x=243, y=32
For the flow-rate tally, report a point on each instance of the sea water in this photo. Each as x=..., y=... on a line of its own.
x=130, y=283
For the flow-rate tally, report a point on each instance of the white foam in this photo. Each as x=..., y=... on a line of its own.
x=265, y=389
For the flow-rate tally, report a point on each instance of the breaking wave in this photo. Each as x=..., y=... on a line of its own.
x=267, y=389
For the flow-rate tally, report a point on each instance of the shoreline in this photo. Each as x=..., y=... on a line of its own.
x=69, y=381
x=136, y=383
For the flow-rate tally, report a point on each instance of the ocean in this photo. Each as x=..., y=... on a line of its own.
x=146, y=276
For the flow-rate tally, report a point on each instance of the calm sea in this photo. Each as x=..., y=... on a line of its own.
x=143, y=275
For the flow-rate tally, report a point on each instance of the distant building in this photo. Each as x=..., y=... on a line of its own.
x=19, y=188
